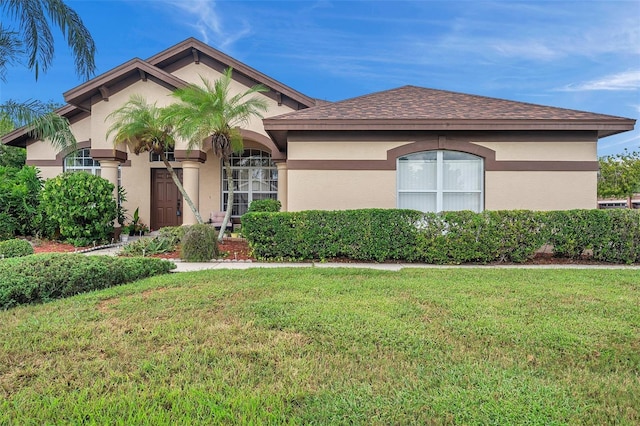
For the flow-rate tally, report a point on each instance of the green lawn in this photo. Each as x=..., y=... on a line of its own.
x=331, y=346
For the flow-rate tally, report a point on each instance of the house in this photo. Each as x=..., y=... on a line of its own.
x=409, y=147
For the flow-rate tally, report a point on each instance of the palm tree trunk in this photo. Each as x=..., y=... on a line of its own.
x=227, y=215
x=185, y=196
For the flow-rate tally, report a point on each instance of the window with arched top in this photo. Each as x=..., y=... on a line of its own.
x=255, y=177
x=434, y=181
x=81, y=161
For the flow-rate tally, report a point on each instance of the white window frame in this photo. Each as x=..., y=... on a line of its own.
x=83, y=154
x=169, y=152
x=439, y=187
x=253, y=153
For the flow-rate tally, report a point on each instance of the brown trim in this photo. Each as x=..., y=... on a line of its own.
x=512, y=166
x=109, y=154
x=193, y=155
x=276, y=154
x=489, y=156
x=604, y=127
x=81, y=95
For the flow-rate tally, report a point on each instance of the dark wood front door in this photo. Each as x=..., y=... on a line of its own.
x=166, y=201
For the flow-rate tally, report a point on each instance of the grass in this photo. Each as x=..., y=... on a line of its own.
x=331, y=346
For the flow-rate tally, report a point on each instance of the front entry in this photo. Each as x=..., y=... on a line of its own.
x=166, y=200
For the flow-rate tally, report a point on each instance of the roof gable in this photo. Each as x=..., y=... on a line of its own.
x=192, y=50
x=117, y=79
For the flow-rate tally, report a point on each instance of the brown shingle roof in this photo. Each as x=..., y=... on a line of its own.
x=411, y=108
x=418, y=103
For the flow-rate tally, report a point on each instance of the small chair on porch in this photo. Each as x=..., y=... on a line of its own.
x=216, y=219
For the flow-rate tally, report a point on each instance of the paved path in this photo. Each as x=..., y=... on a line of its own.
x=227, y=264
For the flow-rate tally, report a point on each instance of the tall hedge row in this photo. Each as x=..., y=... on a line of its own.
x=444, y=238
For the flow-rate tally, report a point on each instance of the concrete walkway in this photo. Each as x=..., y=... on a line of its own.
x=229, y=264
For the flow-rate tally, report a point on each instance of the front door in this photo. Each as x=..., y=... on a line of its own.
x=166, y=201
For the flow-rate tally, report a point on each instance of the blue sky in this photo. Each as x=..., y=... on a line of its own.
x=581, y=55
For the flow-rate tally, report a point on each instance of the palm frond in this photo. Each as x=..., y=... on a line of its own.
x=141, y=126
x=210, y=112
x=42, y=121
x=10, y=50
x=77, y=35
x=38, y=40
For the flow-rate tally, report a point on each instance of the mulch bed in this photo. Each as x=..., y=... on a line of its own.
x=238, y=249
x=229, y=249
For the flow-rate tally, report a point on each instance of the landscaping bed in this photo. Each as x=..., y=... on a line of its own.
x=235, y=249
x=238, y=249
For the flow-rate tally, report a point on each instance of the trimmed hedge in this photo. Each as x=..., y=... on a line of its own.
x=43, y=277
x=15, y=248
x=265, y=205
x=444, y=238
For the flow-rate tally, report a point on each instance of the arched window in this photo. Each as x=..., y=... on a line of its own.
x=434, y=181
x=81, y=161
x=255, y=177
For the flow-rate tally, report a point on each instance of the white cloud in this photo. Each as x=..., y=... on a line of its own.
x=628, y=80
x=206, y=20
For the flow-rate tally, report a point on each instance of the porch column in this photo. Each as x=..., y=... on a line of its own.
x=109, y=171
x=191, y=183
x=191, y=161
x=282, y=183
x=109, y=160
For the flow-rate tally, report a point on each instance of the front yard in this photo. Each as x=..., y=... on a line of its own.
x=331, y=346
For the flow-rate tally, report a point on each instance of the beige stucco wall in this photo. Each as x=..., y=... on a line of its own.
x=41, y=151
x=149, y=90
x=340, y=189
x=540, y=190
x=543, y=151
x=340, y=150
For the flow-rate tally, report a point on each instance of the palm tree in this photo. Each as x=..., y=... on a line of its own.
x=34, y=38
x=210, y=114
x=143, y=128
x=34, y=35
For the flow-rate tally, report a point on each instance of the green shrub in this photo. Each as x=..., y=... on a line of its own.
x=368, y=234
x=44, y=277
x=443, y=238
x=15, y=248
x=150, y=246
x=520, y=233
x=175, y=233
x=266, y=205
x=573, y=232
x=199, y=244
x=20, y=191
x=81, y=205
x=619, y=241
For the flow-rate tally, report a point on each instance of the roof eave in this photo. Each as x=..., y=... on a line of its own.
x=603, y=127
x=20, y=136
x=80, y=94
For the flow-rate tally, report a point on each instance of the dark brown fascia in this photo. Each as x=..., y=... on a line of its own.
x=166, y=57
x=20, y=137
x=278, y=128
x=80, y=96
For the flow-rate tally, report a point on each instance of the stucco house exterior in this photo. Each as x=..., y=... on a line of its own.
x=409, y=147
